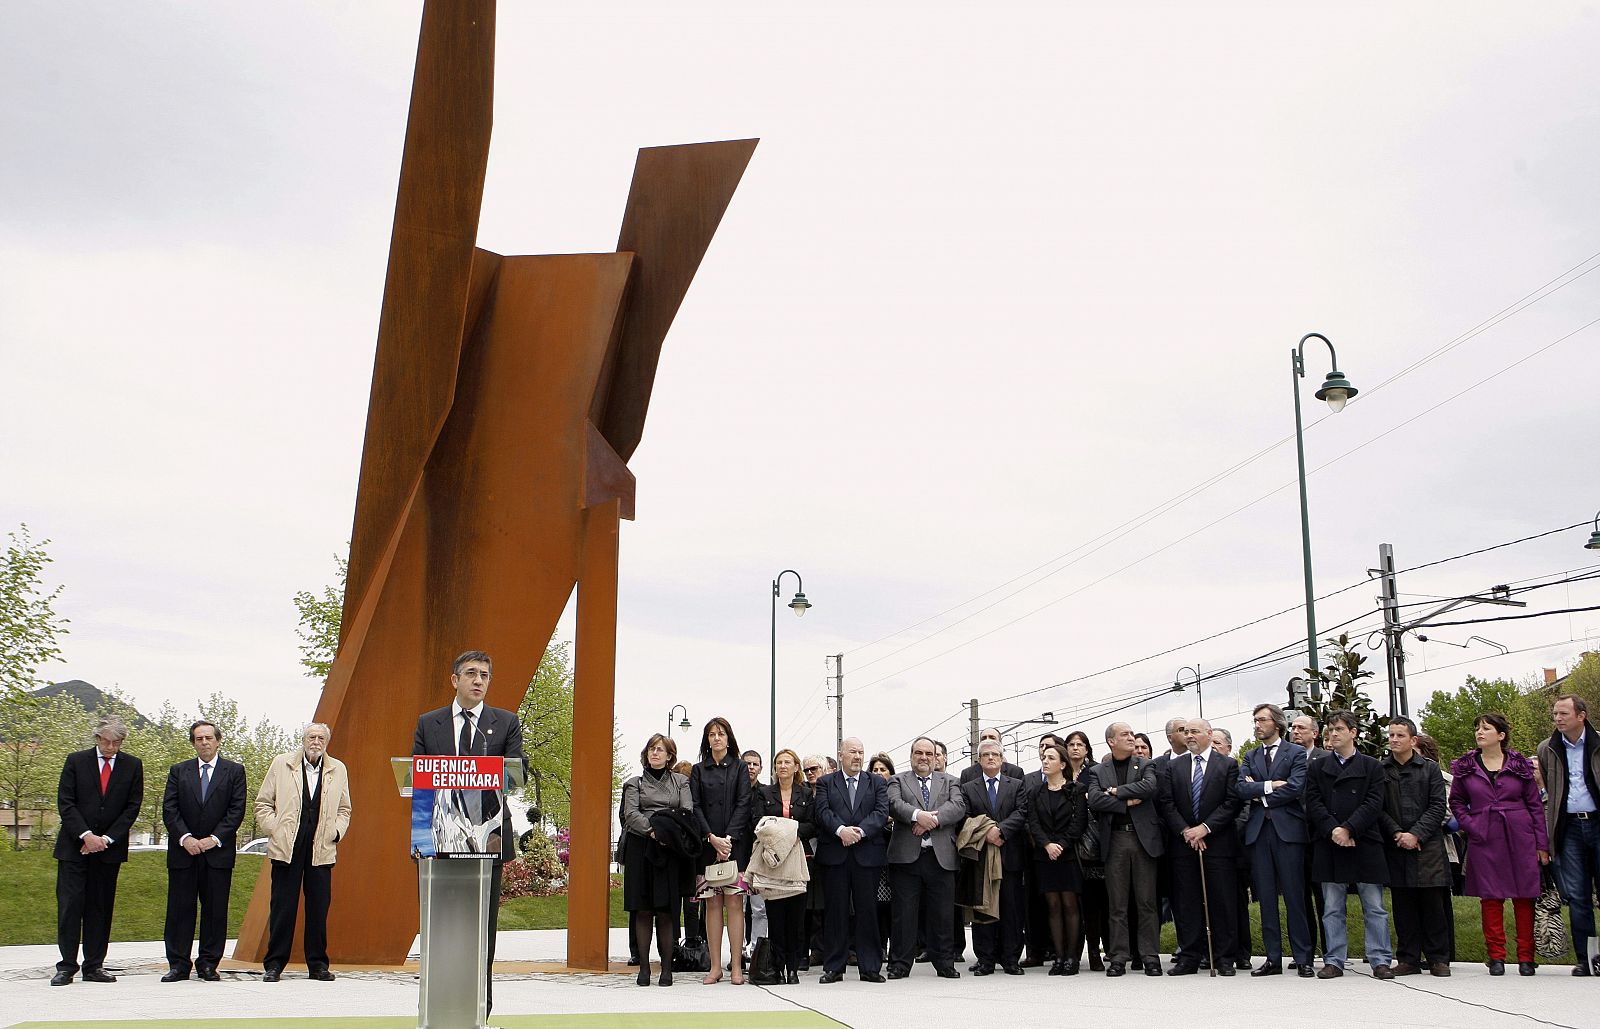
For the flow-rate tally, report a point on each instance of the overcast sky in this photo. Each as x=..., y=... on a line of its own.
x=1000, y=279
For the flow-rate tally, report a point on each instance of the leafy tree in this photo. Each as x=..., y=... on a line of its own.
x=29, y=626
x=319, y=623
x=159, y=743
x=36, y=735
x=1341, y=680
x=1451, y=718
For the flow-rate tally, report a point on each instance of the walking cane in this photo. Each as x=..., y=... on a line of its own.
x=1205, y=905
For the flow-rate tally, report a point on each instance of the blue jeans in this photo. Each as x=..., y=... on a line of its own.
x=1578, y=873
x=1377, y=919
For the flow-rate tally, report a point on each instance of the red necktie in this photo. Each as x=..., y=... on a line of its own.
x=105, y=776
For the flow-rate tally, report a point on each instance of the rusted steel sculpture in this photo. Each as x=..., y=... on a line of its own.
x=508, y=394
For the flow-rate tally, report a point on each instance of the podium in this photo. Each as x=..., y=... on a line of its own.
x=458, y=819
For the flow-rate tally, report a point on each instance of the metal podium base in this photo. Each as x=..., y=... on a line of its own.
x=454, y=896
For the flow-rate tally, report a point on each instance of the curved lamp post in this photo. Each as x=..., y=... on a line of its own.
x=1199, y=694
x=1594, y=537
x=798, y=605
x=1336, y=390
x=683, y=724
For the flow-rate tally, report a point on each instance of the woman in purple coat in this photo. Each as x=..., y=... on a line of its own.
x=1496, y=800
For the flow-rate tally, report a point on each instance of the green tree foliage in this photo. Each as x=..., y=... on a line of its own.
x=1341, y=680
x=1451, y=717
x=546, y=716
x=319, y=623
x=29, y=626
x=36, y=735
x=159, y=742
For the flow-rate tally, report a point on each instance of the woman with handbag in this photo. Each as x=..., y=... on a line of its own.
x=1057, y=818
x=720, y=785
x=654, y=868
x=1096, y=910
x=787, y=797
x=1497, y=802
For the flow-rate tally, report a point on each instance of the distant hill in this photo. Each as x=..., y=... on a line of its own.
x=85, y=693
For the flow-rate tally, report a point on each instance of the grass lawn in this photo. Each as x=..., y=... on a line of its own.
x=28, y=909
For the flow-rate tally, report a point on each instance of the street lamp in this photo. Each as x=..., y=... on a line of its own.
x=1336, y=390
x=683, y=724
x=798, y=605
x=1199, y=694
x=1594, y=537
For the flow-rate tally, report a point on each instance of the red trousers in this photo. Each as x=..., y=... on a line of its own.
x=1494, y=927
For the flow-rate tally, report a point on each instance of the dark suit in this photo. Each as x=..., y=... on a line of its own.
x=208, y=876
x=1275, y=832
x=850, y=874
x=86, y=884
x=497, y=733
x=1131, y=850
x=1219, y=806
x=1000, y=943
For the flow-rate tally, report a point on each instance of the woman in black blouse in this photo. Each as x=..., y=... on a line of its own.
x=787, y=797
x=1057, y=817
x=720, y=786
x=1096, y=909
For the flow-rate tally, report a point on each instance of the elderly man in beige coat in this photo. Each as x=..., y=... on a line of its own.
x=304, y=808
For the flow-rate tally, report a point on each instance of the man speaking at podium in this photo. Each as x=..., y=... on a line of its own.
x=469, y=726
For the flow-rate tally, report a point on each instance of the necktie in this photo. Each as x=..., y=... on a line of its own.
x=994, y=796
x=851, y=780
x=1197, y=783
x=105, y=776
x=464, y=746
x=927, y=799
x=1272, y=748
x=205, y=781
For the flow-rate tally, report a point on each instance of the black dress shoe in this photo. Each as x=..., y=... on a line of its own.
x=831, y=977
x=61, y=979
x=1267, y=968
x=1032, y=961
x=1307, y=972
x=1293, y=964
x=97, y=975
x=792, y=979
x=924, y=957
x=1242, y=964
x=271, y=975
x=1057, y=967
x=208, y=975
x=1184, y=968
x=175, y=975
x=1069, y=966
x=1582, y=967
x=322, y=975
x=1227, y=970
x=949, y=972
x=633, y=962
x=1497, y=967
x=1115, y=968
x=896, y=972
x=982, y=968
x=872, y=977
x=1012, y=969
x=1523, y=968
x=1152, y=968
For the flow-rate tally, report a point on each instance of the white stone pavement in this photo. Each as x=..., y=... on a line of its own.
x=1470, y=999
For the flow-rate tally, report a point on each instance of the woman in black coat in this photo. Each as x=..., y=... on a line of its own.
x=720, y=786
x=787, y=797
x=1057, y=818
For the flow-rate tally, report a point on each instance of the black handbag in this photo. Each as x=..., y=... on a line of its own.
x=763, y=969
x=692, y=955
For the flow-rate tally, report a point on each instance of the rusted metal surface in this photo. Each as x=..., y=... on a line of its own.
x=490, y=486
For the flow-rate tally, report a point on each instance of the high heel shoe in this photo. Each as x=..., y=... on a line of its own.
x=737, y=975
x=666, y=976
x=712, y=978
x=1057, y=967
x=643, y=978
x=1070, y=967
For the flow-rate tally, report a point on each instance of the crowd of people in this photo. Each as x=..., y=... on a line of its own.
x=841, y=861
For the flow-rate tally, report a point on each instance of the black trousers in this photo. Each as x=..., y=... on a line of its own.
x=1000, y=943
x=1189, y=908
x=786, y=920
x=288, y=881
x=1422, y=920
x=494, y=930
x=920, y=884
x=197, y=881
x=851, y=917
x=86, y=892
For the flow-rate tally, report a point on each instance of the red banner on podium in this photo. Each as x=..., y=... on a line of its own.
x=467, y=772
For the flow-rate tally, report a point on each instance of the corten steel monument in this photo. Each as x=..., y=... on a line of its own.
x=507, y=395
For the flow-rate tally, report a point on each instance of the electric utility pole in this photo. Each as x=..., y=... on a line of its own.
x=838, y=701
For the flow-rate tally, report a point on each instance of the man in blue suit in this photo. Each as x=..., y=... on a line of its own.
x=852, y=814
x=1271, y=781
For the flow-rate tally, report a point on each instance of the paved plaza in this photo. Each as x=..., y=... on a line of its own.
x=529, y=992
